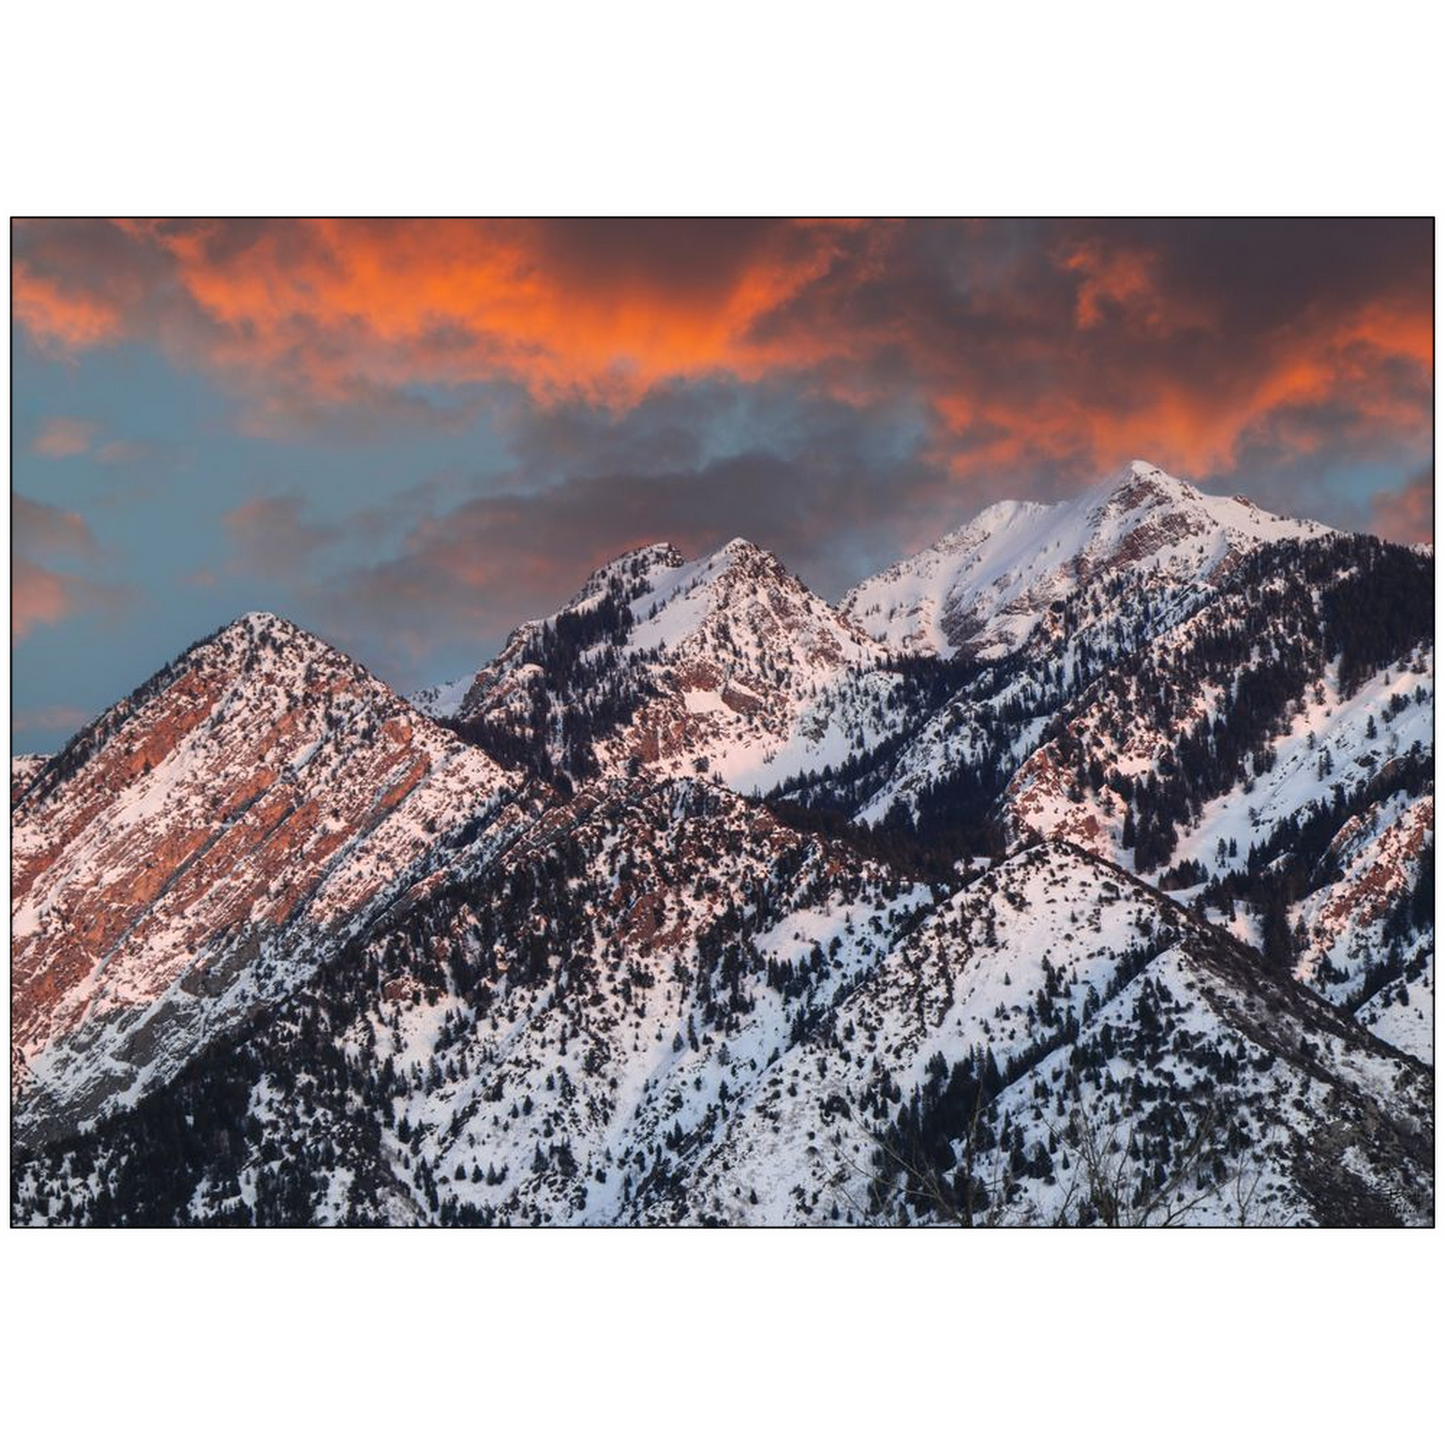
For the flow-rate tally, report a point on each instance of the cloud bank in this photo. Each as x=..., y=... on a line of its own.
x=839, y=391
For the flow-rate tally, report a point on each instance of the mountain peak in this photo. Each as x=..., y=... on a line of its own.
x=659, y=557
x=218, y=823
x=259, y=619
x=650, y=554
x=254, y=625
x=686, y=667
x=1145, y=469
x=989, y=583
x=1141, y=483
x=627, y=575
x=740, y=557
x=252, y=632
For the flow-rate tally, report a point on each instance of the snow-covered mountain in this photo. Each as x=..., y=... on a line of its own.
x=986, y=587
x=727, y=667
x=204, y=844
x=1079, y=869
x=1056, y=1042
x=779, y=1034
x=1272, y=754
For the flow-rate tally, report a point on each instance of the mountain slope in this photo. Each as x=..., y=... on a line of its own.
x=1007, y=621
x=1057, y=1043
x=23, y=769
x=196, y=851
x=542, y=1020
x=1274, y=751
x=833, y=1046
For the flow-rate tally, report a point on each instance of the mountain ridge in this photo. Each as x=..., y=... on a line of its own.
x=701, y=903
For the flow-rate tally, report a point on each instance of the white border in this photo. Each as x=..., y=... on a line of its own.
x=790, y=108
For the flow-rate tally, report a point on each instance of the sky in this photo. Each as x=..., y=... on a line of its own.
x=409, y=436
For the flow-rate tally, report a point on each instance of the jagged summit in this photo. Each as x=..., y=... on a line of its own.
x=272, y=632
x=985, y=586
x=661, y=570
x=268, y=628
x=739, y=599
x=739, y=549
x=259, y=619
x=680, y=666
x=1141, y=470
x=627, y=569
x=1141, y=488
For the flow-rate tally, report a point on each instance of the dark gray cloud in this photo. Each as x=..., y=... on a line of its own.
x=271, y=537
x=474, y=572
x=840, y=393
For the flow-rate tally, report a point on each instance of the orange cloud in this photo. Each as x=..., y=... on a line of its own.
x=1407, y=515
x=38, y=593
x=600, y=310
x=1324, y=377
x=1125, y=280
x=72, y=318
x=1083, y=343
x=395, y=303
x=64, y=436
x=41, y=596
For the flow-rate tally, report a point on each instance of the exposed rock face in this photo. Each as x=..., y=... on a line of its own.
x=195, y=851
x=1363, y=938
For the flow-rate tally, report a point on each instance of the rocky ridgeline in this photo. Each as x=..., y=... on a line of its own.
x=1079, y=869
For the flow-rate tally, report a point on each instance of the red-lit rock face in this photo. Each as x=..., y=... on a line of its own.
x=210, y=839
